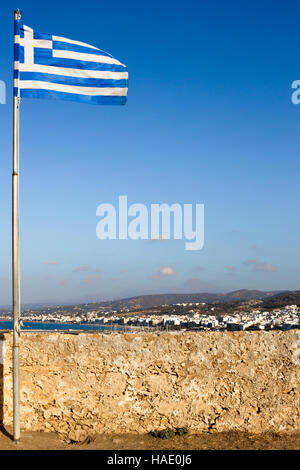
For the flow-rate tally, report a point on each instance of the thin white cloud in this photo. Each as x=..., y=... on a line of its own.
x=165, y=271
x=261, y=266
x=52, y=263
x=266, y=267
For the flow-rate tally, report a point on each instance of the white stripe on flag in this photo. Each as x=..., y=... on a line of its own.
x=66, y=71
x=85, y=57
x=35, y=43
x=79, y=90
x=70, y=41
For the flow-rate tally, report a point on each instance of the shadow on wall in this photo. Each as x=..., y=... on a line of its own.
x=1, y=380
x=2, y=428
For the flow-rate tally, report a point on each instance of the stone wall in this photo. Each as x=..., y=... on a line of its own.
x=132, y=383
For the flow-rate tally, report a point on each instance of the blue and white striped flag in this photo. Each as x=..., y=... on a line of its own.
x=48, y=66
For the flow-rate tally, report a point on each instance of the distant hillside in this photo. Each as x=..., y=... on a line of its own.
x=282, y=299
x=148, y=301
x=268, y=300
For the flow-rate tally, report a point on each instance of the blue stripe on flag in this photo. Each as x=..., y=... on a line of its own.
x=38, y=35
x=79, y=81
x=58, y=95
x=16, y=46
x=20, y=30
x=44, y=52
x=66, y=46
x=77, y=64
x=21, y=54
x=16, y=27
x=16, y=52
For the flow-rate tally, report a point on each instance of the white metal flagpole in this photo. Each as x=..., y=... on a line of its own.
x=16, y=262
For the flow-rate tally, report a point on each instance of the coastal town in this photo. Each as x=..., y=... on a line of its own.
x=180, y=316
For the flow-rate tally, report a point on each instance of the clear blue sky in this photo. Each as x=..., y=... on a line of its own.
x=209, y=119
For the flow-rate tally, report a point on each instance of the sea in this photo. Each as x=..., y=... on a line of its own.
x=36, y=326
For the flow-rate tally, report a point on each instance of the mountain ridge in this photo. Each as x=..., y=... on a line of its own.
x=153, y=300
x=140, y=302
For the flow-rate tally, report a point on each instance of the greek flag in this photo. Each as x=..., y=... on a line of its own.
x=48, y=66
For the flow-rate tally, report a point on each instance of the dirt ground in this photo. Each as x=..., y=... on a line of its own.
x=206, y=441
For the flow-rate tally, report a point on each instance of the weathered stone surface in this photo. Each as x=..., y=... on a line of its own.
x=82, y=384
